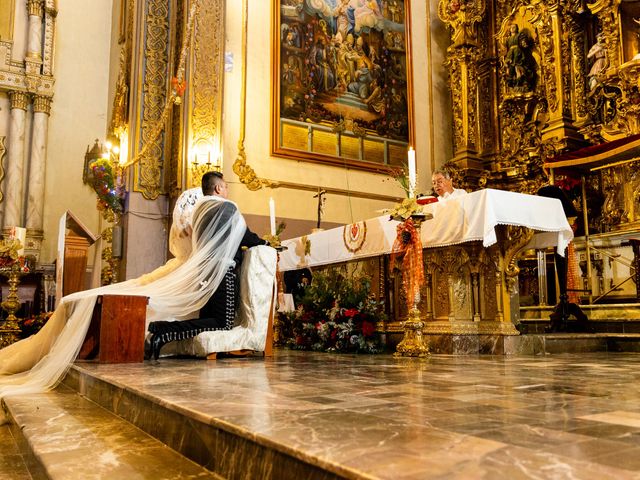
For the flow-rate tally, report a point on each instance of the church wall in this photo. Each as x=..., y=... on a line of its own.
x=432, y=126
x=78, y=112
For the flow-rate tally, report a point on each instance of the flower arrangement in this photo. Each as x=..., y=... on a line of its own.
x=335, y=314
x=274, y=240
x=32, y=325
x=9, y=255
x=104, y=182
x=404, y=210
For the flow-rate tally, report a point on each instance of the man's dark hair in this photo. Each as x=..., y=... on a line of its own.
x=209, y=182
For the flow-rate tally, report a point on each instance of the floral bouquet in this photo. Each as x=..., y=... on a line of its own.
x=104, y=182
x=336, y=314
x=9, y=255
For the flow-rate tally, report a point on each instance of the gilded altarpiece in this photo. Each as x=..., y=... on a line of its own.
x=531, y=79
x=204, y=87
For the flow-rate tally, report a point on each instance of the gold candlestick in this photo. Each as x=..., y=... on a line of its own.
x=9, y=328
x=412, y=343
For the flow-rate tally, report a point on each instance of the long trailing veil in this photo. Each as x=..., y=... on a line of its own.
x=38, y=363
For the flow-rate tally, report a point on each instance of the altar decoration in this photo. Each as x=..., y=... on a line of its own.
x=273, y=238
x=107, y=182
x=407, y=253
x=13, y=266
x=335, y=314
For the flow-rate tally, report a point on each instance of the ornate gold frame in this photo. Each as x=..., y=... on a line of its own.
x=394, y=153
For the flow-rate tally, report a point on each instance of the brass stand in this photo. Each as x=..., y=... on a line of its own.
x=9, y=329
x=412, y=343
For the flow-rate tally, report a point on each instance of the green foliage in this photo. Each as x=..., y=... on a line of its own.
x=335, y=314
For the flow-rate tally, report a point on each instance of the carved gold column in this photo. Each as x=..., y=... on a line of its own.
x=560, y=128
x=33, y=59
x=13, y=213
x=204, y=95
x=463, y=56
x=152, y=73
x=37, y=163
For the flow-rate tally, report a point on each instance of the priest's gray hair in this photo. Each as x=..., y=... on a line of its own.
x=444, y=173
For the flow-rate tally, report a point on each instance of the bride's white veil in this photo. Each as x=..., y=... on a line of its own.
x=39, y=362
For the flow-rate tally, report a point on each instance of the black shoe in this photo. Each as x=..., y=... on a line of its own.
x=156, y=344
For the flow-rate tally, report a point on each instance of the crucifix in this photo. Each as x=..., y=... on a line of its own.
x=321, y=199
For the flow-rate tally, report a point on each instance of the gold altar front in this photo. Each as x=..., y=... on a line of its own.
x=469, y=303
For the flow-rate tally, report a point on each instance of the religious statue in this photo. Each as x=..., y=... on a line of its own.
x=521, y=65
x=598, y=53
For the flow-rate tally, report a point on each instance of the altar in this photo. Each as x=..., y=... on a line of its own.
x=471, y=244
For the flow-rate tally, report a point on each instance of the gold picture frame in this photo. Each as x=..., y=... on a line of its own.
x=342, y=85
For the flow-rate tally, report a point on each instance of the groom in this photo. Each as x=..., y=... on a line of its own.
x=219, y=311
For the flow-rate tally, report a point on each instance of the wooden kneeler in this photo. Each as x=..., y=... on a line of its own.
x=117, y=329
x=268, y=346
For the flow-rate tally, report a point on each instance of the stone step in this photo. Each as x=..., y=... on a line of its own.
x=224, y=447
x=71, y=437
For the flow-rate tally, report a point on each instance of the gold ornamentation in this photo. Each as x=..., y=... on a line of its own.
x=245, y=173
x=9, y=329
x=35, y=7
x=354, y=236
x=461, y=16
x=206, y=85
x=3, y=151
x=19, y=99
x=42, y=104
x=514, y=240
x=149, y=171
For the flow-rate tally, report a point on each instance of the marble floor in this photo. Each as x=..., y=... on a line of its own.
x=565, y=416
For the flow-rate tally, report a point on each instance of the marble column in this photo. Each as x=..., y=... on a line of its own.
x=37, y=163
x=33, y=59
x=15, y=165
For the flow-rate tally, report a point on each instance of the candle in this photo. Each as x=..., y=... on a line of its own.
x=272, y=215
x=412, y=172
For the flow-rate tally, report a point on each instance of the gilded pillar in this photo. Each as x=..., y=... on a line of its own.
x=15, y=166
x=35, y=199
x=33, y=59
x=560, y=126
x=463, y=57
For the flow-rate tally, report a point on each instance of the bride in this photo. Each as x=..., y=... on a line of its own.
x=175, y=290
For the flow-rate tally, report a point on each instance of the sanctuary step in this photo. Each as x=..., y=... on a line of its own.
x=62, y=435
x=231, y=450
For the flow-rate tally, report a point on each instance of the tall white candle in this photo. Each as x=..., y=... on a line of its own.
x=272, y=215
x=412, y=172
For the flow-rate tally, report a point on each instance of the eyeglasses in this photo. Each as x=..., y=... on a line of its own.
x=439, y=181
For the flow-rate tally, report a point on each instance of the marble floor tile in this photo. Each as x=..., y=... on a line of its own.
x=565, y=416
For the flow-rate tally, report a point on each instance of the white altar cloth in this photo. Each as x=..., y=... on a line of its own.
x=464, y=219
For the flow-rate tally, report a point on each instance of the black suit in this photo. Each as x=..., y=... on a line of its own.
x=219, y=311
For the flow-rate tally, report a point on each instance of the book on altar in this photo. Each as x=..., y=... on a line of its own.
x=426, y=199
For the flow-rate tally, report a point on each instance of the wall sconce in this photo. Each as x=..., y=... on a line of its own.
x=202, y=164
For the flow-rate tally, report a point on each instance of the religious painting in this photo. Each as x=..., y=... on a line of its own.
x=342, y=83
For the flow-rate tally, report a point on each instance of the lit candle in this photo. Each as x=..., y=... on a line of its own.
x=272, y=216
x=412, y=172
